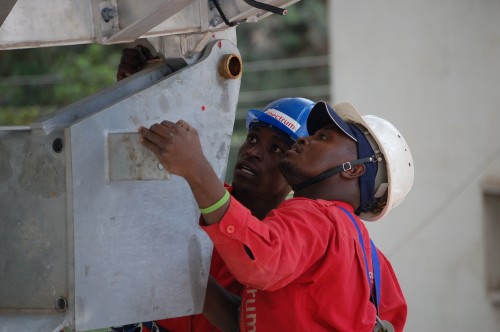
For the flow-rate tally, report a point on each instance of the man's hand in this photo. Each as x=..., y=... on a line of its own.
x=133, y=60
x=177, y=146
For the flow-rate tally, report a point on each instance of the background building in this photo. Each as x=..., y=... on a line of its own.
x=433, y=69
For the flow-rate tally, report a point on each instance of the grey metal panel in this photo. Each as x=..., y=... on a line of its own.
x=117, y=250
x=139, y=253
x=41, y=23
x=32, y=322
x=140, y=17
x=33, y=245
x=126, y=159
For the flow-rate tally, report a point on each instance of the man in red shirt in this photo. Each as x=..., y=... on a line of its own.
x=309, y=265
x=257, y=182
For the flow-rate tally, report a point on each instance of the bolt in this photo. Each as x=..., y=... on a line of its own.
x=108, y=13
x=58, y=145
x=61, y=303
x=215, y=21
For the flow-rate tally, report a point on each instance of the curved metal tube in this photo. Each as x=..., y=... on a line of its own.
x=230, y=66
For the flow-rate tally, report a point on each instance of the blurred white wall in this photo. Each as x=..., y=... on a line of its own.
x=432, y=68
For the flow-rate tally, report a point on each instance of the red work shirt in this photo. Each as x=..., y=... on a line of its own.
x=307, y=272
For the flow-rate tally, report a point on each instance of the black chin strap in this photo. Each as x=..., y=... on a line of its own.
x=333, y=171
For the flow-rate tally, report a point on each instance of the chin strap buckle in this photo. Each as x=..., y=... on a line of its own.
x=346, y=166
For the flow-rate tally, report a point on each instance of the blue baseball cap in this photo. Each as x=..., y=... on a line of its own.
x=323, y=114
x=287, y=115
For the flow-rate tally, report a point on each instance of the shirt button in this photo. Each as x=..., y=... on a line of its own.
x=230, y=229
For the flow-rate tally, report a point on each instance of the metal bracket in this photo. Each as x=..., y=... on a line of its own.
x=137, y=18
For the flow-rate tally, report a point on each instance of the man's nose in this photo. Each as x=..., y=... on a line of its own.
x=302, y=140
x=254, y=151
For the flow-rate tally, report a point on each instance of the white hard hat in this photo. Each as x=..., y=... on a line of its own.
x=396, y=171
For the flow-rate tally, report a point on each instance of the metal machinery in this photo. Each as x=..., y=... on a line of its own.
x=93, y=233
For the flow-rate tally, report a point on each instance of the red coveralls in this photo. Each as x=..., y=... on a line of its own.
x=308, y=272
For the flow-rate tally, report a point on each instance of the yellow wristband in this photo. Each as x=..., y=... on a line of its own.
x=217, y=204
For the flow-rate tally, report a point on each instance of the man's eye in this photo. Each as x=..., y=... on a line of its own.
x=251, y=139
x=322, y=137
x=278, y=149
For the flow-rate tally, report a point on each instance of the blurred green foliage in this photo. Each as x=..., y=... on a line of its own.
x=38, y=81
x=301, y=33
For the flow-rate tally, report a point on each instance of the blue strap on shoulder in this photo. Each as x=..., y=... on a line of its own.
x=376, y=273
x=375, y=262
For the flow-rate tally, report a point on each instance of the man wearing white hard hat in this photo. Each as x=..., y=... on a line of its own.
x=310, y=264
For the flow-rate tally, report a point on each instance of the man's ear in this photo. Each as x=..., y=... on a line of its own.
x=354, y=172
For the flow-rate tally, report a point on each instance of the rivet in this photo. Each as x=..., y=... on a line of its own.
x=61, y=304
x=58, y=145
